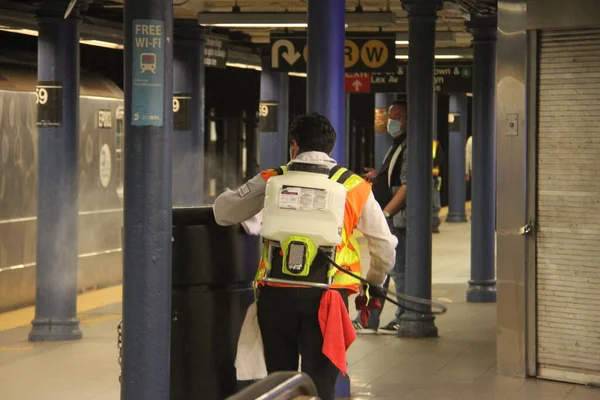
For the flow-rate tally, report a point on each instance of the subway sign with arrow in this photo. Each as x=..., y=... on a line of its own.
x=364, y=52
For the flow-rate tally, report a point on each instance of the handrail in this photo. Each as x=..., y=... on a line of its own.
x=280, y=386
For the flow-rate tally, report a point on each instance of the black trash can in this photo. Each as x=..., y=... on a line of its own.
x=213, y=269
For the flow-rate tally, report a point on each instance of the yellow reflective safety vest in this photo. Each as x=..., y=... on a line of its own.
x=348, y=252
x=436, y=168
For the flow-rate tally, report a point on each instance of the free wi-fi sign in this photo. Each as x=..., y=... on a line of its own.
x=362, y=53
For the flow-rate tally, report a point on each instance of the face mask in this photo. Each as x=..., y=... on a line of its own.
x=394, y=128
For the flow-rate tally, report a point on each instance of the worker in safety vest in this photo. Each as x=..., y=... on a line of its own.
x=438, y=159
x=390, y=191
x=288, y=316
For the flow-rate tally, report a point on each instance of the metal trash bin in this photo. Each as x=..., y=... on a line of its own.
x=213, y=270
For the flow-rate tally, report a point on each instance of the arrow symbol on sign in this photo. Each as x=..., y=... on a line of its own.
x=290, y=55
x=357, y=84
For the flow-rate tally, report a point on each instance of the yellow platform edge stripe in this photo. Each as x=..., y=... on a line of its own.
x=85, y=302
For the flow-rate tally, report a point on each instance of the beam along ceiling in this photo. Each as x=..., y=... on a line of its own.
x=451, y=18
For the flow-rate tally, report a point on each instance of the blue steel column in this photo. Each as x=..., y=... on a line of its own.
x=422, y=18
x=482, y=286
x=58, y=185
x=456, y=154
x=383, y=140
x=325, y=82
x=147, y=208
x=273, y=146
x=188, y=145
x=434, y=116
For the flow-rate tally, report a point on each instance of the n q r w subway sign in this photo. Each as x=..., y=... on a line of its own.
x=362, y=53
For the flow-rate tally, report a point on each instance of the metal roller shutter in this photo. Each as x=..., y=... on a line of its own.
x=568, y=206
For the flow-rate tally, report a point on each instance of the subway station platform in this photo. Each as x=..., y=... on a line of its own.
x=460, y=364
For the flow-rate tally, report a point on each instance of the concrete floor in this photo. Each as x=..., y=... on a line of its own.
x=460, y=364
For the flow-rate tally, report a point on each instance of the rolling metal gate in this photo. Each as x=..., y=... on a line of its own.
x=568, y=202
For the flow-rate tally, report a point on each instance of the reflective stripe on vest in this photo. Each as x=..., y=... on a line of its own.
x=348, y=252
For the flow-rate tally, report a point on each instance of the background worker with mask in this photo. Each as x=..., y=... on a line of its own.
x=288, y=316
x=389, y=188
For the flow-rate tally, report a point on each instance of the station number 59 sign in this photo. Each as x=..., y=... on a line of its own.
x=48, y=98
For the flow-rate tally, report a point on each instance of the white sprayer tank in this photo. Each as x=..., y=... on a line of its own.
x=301, y=203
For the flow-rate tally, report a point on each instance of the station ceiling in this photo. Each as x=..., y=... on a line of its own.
x=450, y=25
x=451, y=18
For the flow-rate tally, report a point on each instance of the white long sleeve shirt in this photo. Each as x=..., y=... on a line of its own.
x=233, y=207
x=469, y=156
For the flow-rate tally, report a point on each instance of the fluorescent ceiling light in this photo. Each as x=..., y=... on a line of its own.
x=28, y=32
x=288, y=19
x=245, y=66
x=101, y=43
x=257, y=25
x=257, y=68
x=437, y=56
x=401, y=41
x=300, y=74
x=91, y=42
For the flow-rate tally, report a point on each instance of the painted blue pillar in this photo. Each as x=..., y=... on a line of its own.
x=421, y=32
x=188, y=116
x=57, y=100
x=274, y=98
x=325, y=81
x=456, y=159
x=434, y=116
x=383, y=140
x=148, y=31
x=482, y=286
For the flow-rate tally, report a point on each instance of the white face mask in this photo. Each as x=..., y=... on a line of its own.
x=394, y=128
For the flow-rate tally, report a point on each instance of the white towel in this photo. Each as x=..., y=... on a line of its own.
x=250, y=359
x=252, y=226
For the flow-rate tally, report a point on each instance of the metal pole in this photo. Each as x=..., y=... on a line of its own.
x=147, y=205
x=383, y=140
x=325, y=82
x=457, y=141
x=482, y=286
x=57, y=98
x=274, y=98
x=422, y=17
x=188, y=116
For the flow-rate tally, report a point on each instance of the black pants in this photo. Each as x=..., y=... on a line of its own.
x=289, y=324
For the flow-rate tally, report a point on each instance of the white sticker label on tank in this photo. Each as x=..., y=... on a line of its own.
x=304, y=199
x=288, y=198
x=105, y=165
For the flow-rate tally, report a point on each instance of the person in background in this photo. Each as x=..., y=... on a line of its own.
x=288, y=316
x=469, y=165
x=389, y=188
x=438, y=159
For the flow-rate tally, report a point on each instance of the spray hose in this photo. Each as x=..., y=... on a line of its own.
x=441, y=309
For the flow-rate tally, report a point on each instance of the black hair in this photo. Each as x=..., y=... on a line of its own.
x=312, y=132
x=399, y=103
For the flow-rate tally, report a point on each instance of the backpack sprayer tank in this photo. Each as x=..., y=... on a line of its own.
x=303, y=211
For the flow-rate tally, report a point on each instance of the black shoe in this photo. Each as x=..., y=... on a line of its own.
x=389, y=329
